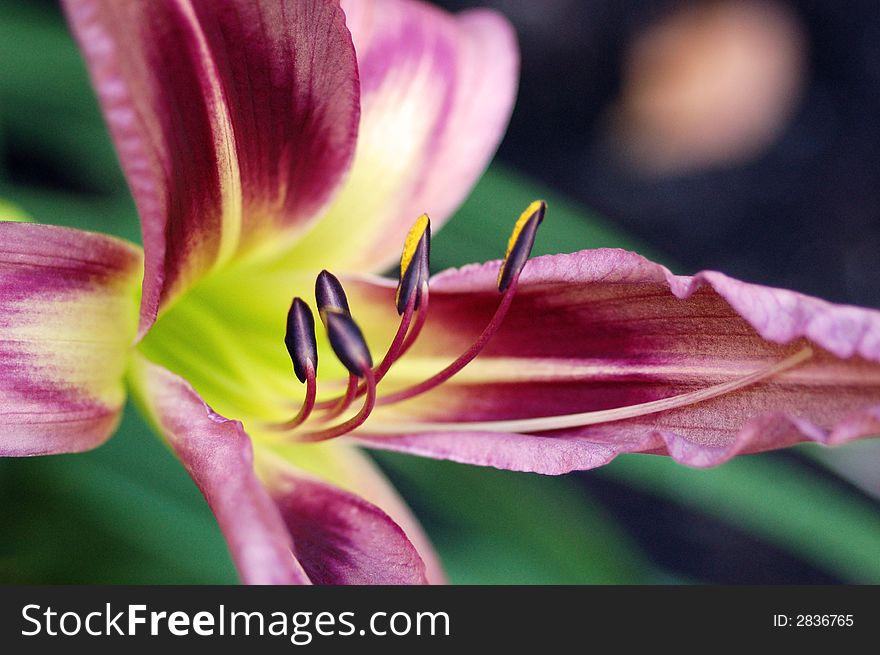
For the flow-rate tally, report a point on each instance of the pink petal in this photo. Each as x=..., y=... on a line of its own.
x=437, y=91
x=218, y=455
x=233, y=120
x=357, y=473
x=340, y=538
x=67, y=322
x=604, y=329
x=293, y=530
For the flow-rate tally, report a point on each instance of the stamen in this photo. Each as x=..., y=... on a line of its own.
x=583, y=419
x=519, y=247
x=463, y=360
x=308, y=404
x=299, y=338
x=395, y=350
x=354, y=422
x=420, y=321
x=338, y=405
x=346, y=339
x=329, y=294
x=348, y=343
x=411, y=295
x=414, y=263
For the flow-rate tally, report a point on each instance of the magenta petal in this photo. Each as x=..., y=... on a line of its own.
x=437, y=90
x=218, y=455
x=294, y=530
x=464, y=102
x=233, y=120
x=366, y=480
x=340, y=538
x=557, y=455
x=289, y=76
x=67, y=323
x=604, y=329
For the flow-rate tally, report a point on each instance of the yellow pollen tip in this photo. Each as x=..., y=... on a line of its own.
x=521, y=223
x=517, y=230
x=415, y=235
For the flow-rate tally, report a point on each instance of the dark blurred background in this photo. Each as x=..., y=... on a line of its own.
x=738, y=135
x=742, y=135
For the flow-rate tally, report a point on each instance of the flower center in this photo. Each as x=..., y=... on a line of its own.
x=222, y=337
x=411, y=300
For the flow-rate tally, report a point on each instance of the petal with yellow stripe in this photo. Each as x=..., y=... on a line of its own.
x=234, y=122
x=282, y=525
x=68, y=315
x=437, y=91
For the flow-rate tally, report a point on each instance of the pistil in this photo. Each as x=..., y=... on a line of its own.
x=411, y=296
x=356, y=421
x=349, y=346
x=583, y=419
x=411, y=300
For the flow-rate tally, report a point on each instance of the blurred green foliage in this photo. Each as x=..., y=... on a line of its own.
x=128, y=513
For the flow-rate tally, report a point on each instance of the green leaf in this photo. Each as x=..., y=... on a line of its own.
x=47, y=106
x=124, y=513
x=500, y=527
x=784, y=504
x=113, y=214
x=12, y=213
x=480, y=229
x=44, y=63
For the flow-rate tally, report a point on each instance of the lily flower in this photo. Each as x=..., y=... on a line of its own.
x=270, y=143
